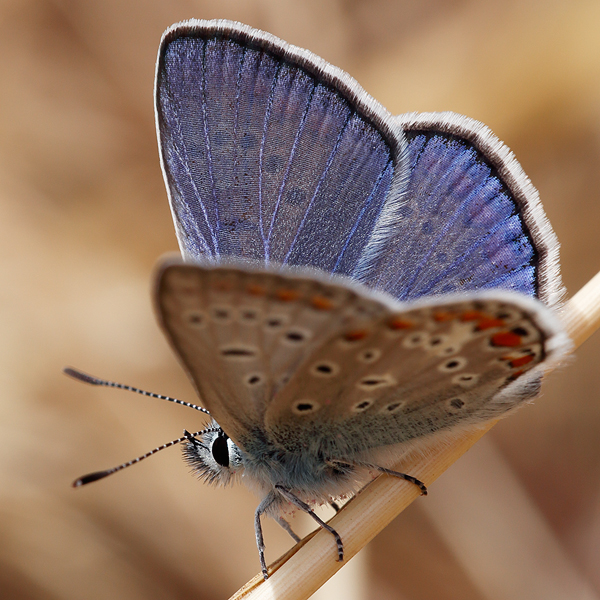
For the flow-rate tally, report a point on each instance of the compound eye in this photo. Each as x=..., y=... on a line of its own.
x=220, y=451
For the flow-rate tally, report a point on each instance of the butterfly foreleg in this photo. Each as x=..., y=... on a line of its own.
x=404, y=476
x=290, y=497
x=260, y=543
x=409, y=478
x=287, y=527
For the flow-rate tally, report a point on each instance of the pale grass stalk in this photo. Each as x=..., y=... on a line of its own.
x=307, y=566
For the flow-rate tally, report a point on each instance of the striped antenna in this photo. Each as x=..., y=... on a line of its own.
x=81, y=376
x=190, y=437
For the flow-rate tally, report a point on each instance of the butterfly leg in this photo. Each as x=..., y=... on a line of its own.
x=260, y=543
x=335, y=506
x=303, y=506
x=287, y=527
x=404, y=476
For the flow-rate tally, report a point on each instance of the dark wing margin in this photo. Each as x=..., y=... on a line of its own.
x=271, y=154
x=471, y=219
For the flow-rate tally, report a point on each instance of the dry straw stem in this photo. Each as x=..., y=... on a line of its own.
x=307, y=566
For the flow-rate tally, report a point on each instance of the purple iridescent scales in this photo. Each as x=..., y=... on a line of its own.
x=270, y=154
x=460, y=228
x=264, y=160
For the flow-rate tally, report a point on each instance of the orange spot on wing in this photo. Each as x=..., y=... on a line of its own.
x=287, y=295
x=489, y=323
x=506, y=338
x=399, y=323
x=516, y=374
x=472, y=315
x=356, y=335
x=256, y=290
x=521, y=361
x=440, y=317
x=483, y=321
x=321, y=303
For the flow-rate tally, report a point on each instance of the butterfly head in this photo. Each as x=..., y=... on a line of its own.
x=212, y=455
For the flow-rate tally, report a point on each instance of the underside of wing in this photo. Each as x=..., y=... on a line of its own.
x=242, y=334
x=409, y=374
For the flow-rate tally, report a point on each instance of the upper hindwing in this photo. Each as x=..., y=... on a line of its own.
x=470, y=220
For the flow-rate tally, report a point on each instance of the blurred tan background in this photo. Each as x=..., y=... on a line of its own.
x=84, y=217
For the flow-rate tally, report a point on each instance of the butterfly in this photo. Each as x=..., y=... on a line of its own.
x=353, y=284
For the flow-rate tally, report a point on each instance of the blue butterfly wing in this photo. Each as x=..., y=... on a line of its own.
x=269, y=153
x=470, y=220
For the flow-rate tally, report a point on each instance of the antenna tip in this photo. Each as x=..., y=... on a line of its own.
x=91, y=477
x=81, y=376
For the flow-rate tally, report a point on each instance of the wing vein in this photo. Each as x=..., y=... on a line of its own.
x=209, y=152
x=460, y=208
x=182, y=155
x=319, y=184
x=290, y=160
x=463, y=257
x=260, y=161
x=361, y=214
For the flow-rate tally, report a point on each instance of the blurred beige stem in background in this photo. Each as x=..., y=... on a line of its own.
x=311, y=563
x=497, y=533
